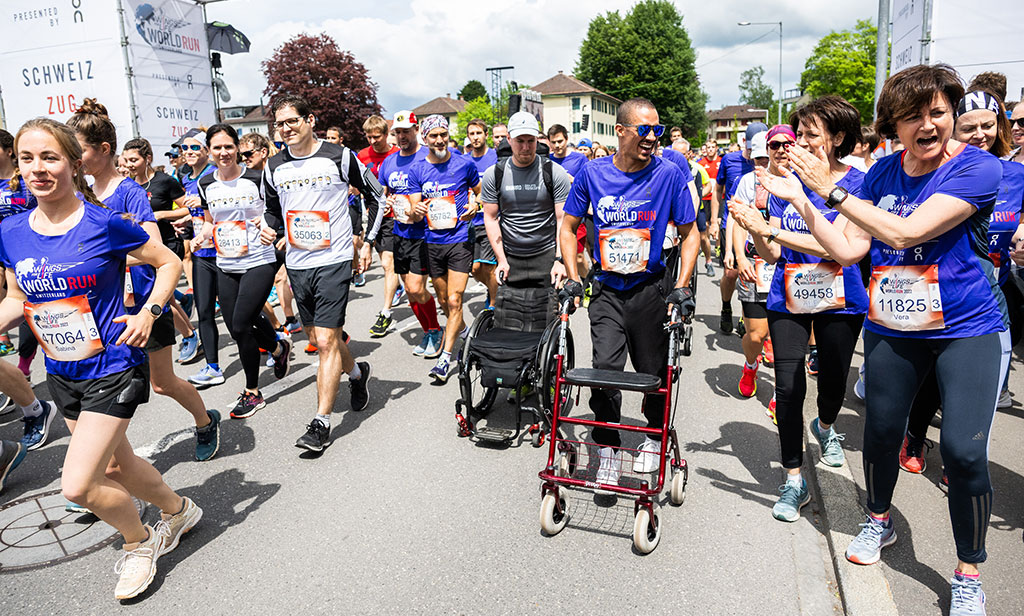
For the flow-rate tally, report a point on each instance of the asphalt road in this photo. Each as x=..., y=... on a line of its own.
x=400, y=515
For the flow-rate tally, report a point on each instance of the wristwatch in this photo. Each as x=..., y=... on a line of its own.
x=560, y=260
x=155, y=309
x=773, y=232
x=837, y=196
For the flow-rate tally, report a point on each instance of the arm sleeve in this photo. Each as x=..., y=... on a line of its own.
x=976, y=181
x=272, y=214
x=373, y=194
x=489, y=192
x=561, y=183
x=578, y=201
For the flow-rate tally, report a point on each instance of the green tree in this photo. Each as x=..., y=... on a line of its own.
x=755, y=93
x=843, y=63
x=473, y=90
x=476, y=108
x=646, y=53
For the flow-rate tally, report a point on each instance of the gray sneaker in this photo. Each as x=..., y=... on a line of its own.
x=791, y=500
x=709, y=269
x=435, y=344
x=831, y=445
x=866, y=548
x=966, y=596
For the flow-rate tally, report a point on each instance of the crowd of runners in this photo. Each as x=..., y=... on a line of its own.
x=826, y=241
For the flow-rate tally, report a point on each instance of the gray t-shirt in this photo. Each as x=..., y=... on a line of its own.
x=526, y=210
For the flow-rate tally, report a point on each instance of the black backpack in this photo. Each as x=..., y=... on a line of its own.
x=504, y=152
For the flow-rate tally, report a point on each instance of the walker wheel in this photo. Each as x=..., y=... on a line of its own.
x=536, y=435
x=677, y=493
x=551, y=521
x=566, y=460
x=646, y=537
x=464, y=429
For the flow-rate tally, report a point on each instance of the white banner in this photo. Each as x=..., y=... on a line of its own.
x=171, y=69
x=55, y=54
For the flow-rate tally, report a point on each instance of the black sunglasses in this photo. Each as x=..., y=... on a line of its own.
x=775, y=145
x=644, y=129
x=246, y=154
x=1019, y=122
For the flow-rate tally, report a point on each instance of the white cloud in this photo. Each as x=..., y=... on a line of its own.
x=418, y=49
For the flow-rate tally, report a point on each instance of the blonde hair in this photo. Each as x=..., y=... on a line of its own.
x=70, y=148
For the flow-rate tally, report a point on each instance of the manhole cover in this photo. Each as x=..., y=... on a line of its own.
x=35, y=531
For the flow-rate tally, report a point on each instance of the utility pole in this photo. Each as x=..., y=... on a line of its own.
x=881, y=50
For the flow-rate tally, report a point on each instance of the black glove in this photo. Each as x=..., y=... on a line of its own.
x=571, y=290
x=682, y=297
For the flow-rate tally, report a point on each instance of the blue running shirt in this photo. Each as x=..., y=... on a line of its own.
x=1005, y=217
x=485, y=162
x=447, y=187
x=191, y=186
x=132, y=199
x=394, y=175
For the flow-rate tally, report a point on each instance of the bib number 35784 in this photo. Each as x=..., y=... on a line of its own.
x=906, y=297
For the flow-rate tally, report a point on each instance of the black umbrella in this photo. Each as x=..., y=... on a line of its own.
x=224, y=37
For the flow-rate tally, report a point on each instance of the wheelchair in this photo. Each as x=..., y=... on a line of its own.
x=513, y=346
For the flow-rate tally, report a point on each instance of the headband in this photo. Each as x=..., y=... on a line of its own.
x=978, y=99
x=432, y=122
x=781, y=129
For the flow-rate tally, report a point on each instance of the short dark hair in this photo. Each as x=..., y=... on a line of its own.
x=904, y=93
x=6, y=140
x=141, y=145
x=869, y=137
x=992, y=82
x=674, y=129
x=336, y=129
x=296, y=102
x=477, y=122
x=557, y=129
x=836, y=116
x=628, y=108
x=221, y=128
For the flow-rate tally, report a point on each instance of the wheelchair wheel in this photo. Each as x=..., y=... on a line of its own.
x=477, y=398
x=548, y=364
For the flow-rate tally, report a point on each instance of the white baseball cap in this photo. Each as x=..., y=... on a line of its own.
x=759, y=145
x=404, y=119
x=522, y=123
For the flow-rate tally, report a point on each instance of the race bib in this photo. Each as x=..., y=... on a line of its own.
x=625, y=251
x=401, y=209
x=442, y=213
x=65, y=328
x=129, y=289
x=197, y=230
x=231, y=237
x=763, y=273
x=671, y=233
x=906, y=298
x=309, y=229
x=814, y=287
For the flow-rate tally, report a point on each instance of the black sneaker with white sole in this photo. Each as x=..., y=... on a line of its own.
x=315, y=438
x=283, y=361
x=360, y=389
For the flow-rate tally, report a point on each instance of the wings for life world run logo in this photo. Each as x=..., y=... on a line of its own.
x=898, y=285
x=160, y=30
x=812, y=277
x=433, y=189
x=617, y=210
x=40, y=277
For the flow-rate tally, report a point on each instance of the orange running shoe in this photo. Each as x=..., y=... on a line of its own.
x=768, y=352
x=912, y=455
x=311, y=349
x=771, y=411
x=748, y=381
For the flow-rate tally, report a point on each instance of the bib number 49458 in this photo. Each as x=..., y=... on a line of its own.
x=814, y=287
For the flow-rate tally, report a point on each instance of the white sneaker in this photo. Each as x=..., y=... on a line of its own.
x=137, y=566
x=647, y=458
x=858, y=387
x=611, y=467
x=1005, y=401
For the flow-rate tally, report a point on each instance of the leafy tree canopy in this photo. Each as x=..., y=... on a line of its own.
x=843, y=63
x=473, y=90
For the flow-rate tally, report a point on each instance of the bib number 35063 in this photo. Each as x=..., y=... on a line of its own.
x=906, y=298
x=309, y=229
x=814, y=287
x=65, y=328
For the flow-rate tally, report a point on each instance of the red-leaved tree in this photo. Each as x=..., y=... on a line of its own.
x=337, y=87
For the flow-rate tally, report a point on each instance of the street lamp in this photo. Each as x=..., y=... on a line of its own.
x=771, y=23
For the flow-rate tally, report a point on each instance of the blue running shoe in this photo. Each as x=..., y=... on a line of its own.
x=421, y=348
x=37, y=429
x=207, y=376
x=358, y=280
x=399, y=295
x=189, y=348
x=831, y=445
x=967, y=598
x=866, y=548
x=793, y=498
x=208, y=437
x=12, y=455
x=435, y=344
x=293, y=328
x=441, y=371
x=273, y=299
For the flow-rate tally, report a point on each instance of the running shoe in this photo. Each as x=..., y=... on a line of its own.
x=912, y=453
x=741, y=328
x=399, y=295
x=37, y=429
x=875, y=534
x=172, y=527
x=311, y=349
x=270, y=361
x=646, y=460
x=858, y=387
x=137, y=565
x=726, y=323
x=524, y=393
x=966, y=596
x=360, y=389
x=610, y=468
x=709, y=269
x=6, y=346
x=768, y=352
x=315, y=438
x=421, y=348
x=72, y=507
x=812, y=363
x=247, y=405
x=748, y=381
x=208, y=438
x=12, y=455
x=6, y=404
x=831, y=445
x=207, y=376
x=441, y=371
x=216, y=307
x=1005, y=401
x=791, y=500
x=770, y=411
x=380, y=328
x=187, y=303
x=435, y=343
x=272, y=299
x=189, y=348
x=292, y=327
x=282, y=362
x=358, y=280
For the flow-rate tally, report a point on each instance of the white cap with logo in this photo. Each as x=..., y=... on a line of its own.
x=523, y=123
x=759, y=145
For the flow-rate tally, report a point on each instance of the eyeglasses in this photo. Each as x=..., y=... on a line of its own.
x=194, y=147
x=246, y=154
x=290, y=122
x=643, y=129
x=775, y=145
x=1019, y=122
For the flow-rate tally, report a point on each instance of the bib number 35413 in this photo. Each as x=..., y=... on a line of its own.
x=814, y=287
x=65, y=328
x=906, y=297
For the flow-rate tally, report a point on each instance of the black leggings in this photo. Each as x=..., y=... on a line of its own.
x=204, y=289
x=969, y=372
x=836, y=336
x=27, y=343
x=242, y=296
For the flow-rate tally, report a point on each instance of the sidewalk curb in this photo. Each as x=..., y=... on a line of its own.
x=863, y=589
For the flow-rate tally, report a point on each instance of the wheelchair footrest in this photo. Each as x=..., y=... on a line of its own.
x=498, y=435
x=613, y=379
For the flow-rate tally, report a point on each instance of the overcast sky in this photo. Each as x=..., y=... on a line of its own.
x=416, y=50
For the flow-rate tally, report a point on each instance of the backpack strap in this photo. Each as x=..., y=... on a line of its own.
x=499, y=174
x=545, y=171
